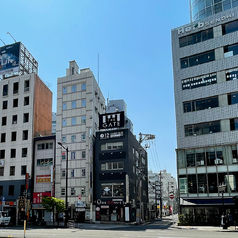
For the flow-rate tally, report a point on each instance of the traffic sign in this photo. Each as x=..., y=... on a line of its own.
x=171, y=196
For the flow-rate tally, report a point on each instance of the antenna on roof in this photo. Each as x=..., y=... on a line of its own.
x=11, y=36
x=2, y=41
x=98, y=69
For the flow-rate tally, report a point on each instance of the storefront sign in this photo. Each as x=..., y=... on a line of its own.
x=43, y=178
x=111, y=135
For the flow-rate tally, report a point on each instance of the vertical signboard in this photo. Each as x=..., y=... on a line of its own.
x=9, y=58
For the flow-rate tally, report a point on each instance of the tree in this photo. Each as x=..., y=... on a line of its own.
x=52, y=204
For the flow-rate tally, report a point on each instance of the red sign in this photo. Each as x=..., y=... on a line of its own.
x=171, y=196
x=37, y=197
x=79, y=197
x=43, y=178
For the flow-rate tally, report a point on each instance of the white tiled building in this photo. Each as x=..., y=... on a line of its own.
x=79, y=103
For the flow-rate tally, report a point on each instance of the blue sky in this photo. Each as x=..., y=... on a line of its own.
x=133, y=40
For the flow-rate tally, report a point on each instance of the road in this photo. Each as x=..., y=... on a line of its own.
x=156, y=229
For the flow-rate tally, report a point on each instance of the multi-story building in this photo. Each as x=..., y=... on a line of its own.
x=25, y=109
x=200, y=9
x=79, y=103
x=205, y=65
x=121, y=181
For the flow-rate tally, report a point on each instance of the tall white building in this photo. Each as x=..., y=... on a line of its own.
x=79, y=103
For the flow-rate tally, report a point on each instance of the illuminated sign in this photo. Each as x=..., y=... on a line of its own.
x=111, y=120
x=43, y=178
x=37, y=197
x=111, y=135
x=9, y=58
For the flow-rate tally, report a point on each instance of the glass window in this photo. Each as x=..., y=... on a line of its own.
x=73, y=121
x=5, y=90
x=11, y=190
x=14, y=135
x=14, y=119
x=232, y=98
x=202, y=183
x=25, y=135
x=83, y=102
x=3, y=137
x=192, y=183
x=212, y=183
x=62, y=191
x=73, y=138
x=64, y=90
x=73, y=155
x=63, y=173
x=72, y=173
x=23, y=170
x=83, y=172
x=106, y=190
x=190, y=159
x=45, y=162
x=83, y=119
x=64, y=122
x=118, y=190
x=1, y=171
x=4, y=121
x=74, y=88
x=83, y=154
x=24, y=152
x=12, y=170
x=26, y=101
x=112, y=146
x=73, y=104
x=2, y=154
x=15, y=87
x=4, y=105
x=83, y=137
x=72, y=191
x=230, y=50
x=15, y=102
x=25, y=117
x=83, y=86
x=27, y=86
x=64, y=106
x=63, y=139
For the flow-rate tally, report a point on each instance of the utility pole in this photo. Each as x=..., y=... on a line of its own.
x=160, y=194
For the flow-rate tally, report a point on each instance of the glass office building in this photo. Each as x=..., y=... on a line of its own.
x=200, y=9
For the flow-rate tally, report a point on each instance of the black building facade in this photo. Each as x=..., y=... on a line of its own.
x=120, y=177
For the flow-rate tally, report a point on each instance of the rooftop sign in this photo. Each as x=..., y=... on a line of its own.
x=111, y=120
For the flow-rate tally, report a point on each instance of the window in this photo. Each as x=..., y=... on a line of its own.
x=12, y=170
x=15, y=102
x=199, y=81
x=192, y=183
x=83, y=172
x=72, y=191
x=112, y=146
x=24, y=152
x=26, y=101
x=234, y=124
x=25, y=117
x=83, y=119
x=14, y=119
x=73, y=104
x=196, y=38
x=64, y=122
x=64, y=90
x=74, y=88
x=13, y=153
x=232, y=98
x=1, y=190
x=4, y=121
x=83, y=102
x=82, y=191
x=83, y=86
x=72, y=173
x=45, y=162
x=25, y=135
x=64, y=106
x=5, y=90
x=45, y=146
x=230, y=50
x=73, y=155
x=83, y=136
x=26, y=85
x=23, y=170
x=63, y=138
x=83, y=154
x=14, y=135
x=231, y=74
x=73, y=138
x=3, y=137
x=197, y=59
x=112, y=166
x=190, y=159
x=11, y=190
x=62, y=191
x=1, y=171
x=112, y=190
x=4, y=105
x=63, y=173
x=15, y=87
x=200, y=104
x=230, y=27
x=73, y=121
x=202, y=128
x=2, y=154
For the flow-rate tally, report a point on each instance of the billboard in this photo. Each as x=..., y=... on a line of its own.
x=9, y=58
x=111, y=120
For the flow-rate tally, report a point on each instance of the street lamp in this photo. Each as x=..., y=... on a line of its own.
x=66, y=186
